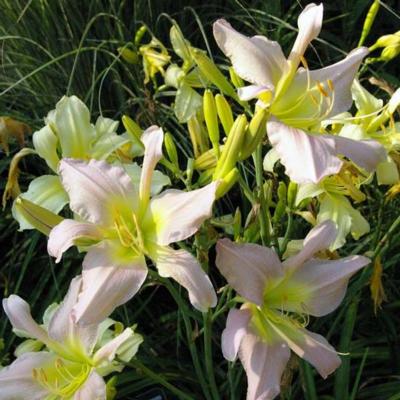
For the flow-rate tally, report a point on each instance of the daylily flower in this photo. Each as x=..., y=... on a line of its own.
x=334, y=205
x=74, y=359
x=297, y=98
x=120, y=225
x=278, y=298
x=69, y=133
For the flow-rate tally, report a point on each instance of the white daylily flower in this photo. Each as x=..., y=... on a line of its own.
x=120, y=225
x=278, y=297
x=297, y=98
x=75, y=358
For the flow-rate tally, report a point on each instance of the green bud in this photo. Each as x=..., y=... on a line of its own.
x=369, y=20
x=391, y=47
x=255, y=133
x=291, y=194
x=128, y=55
x=205, y=177
x=235, y=78
x=237, y=224
x=206, y=160
x=280, y=210
x=232, y=147
x=198, y=136
x=282, y=192
x=41, y=219
x=139, y=35
x=227, y=182
x=171, y=149
x=210, y=116
x=212, y=73
x=133, y=130
x=224, y=113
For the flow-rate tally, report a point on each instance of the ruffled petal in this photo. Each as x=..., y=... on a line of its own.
x=45, y=143
x=264, y=365
x=46, y=191
x=256, y=59
x=19, y=314
x=16, y=380
x=253, y=91
x=94, y=388
x=110, y=277
x=324, y=284
x=95, y=188
x=310, y=346
x=107, y=352
x=64, y=235
x=307, y=158
x=152, y=139
x=186, y=270
x=236, y=327
x=366, y=154
x=309, y=24
x=62, y=327
x=249, y=268
x=178, y=215
x=319, y=238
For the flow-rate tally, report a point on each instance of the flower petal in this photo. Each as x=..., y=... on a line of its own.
x=152, y=139
x=45, y=143
x=94, y=388
x=248, y=268
x=310, y=346
x=16, y=380
x=109, y=280
x=19, y=314
x=186, y=270
x=107, y=352
x=341, y=75
x=93, y=187
x=253, y=91
x=309, y=24
x=72, y=125
x=256, y=59
x=178, y=215
x=315, y=154
x=366, y=154
x=319, y=238
x=64, y=235
x=46, y=191
x=264, y=365
x=325, y=283
x=236, y=327
x=62, y=327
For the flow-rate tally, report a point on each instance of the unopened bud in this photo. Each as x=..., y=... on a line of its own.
x=391, y=47
x=212, y=73
x=227, y=182
x=139, y=35
x=291, y=194
x=210, y=116
x=171, y=149
x=198, y=136
x=133, y=129
x=237, y=224
x=128, y=55
x=255, y=133
x=224, y=113
x=206, y=160
x=40, y=218
x=235, y=78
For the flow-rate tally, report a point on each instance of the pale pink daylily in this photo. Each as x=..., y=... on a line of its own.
x=278, y=297
x=299, y=98
x=120, y=225
x=74, y=359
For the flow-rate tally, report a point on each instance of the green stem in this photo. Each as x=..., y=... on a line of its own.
x=192, y=346
x=134, y=363
x=288, y=231
x=208, y=354
x=264, y=229
x=309, y=381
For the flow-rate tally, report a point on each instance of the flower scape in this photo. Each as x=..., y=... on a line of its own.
x=254, y=234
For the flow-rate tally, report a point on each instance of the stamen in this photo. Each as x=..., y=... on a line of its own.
x=330, y=85
x=322, y=89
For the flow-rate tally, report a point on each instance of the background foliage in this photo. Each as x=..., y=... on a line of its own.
x=51, y=48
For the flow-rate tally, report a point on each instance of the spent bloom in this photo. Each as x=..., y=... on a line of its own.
x=119, y=224
x=278, y=299
x=299, y=99
x=74, y=358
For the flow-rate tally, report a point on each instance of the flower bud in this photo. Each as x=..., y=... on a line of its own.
x=210, y=116
x=40, y=218
x=255, y=133
x=237, y=224
x=232, y=147
x=291, y=194
x=197, y=136
x=235, y=78
x=224, y=113
x=133, y=129
x=206, y=160
x=128, y=55
x=227, y=182
x=369, y=20
x=212, y=73
x=391, y=47
x=171, y=149
x=139, y=35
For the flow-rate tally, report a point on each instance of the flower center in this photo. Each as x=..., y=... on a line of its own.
x=128, y=231
x=62, y=379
